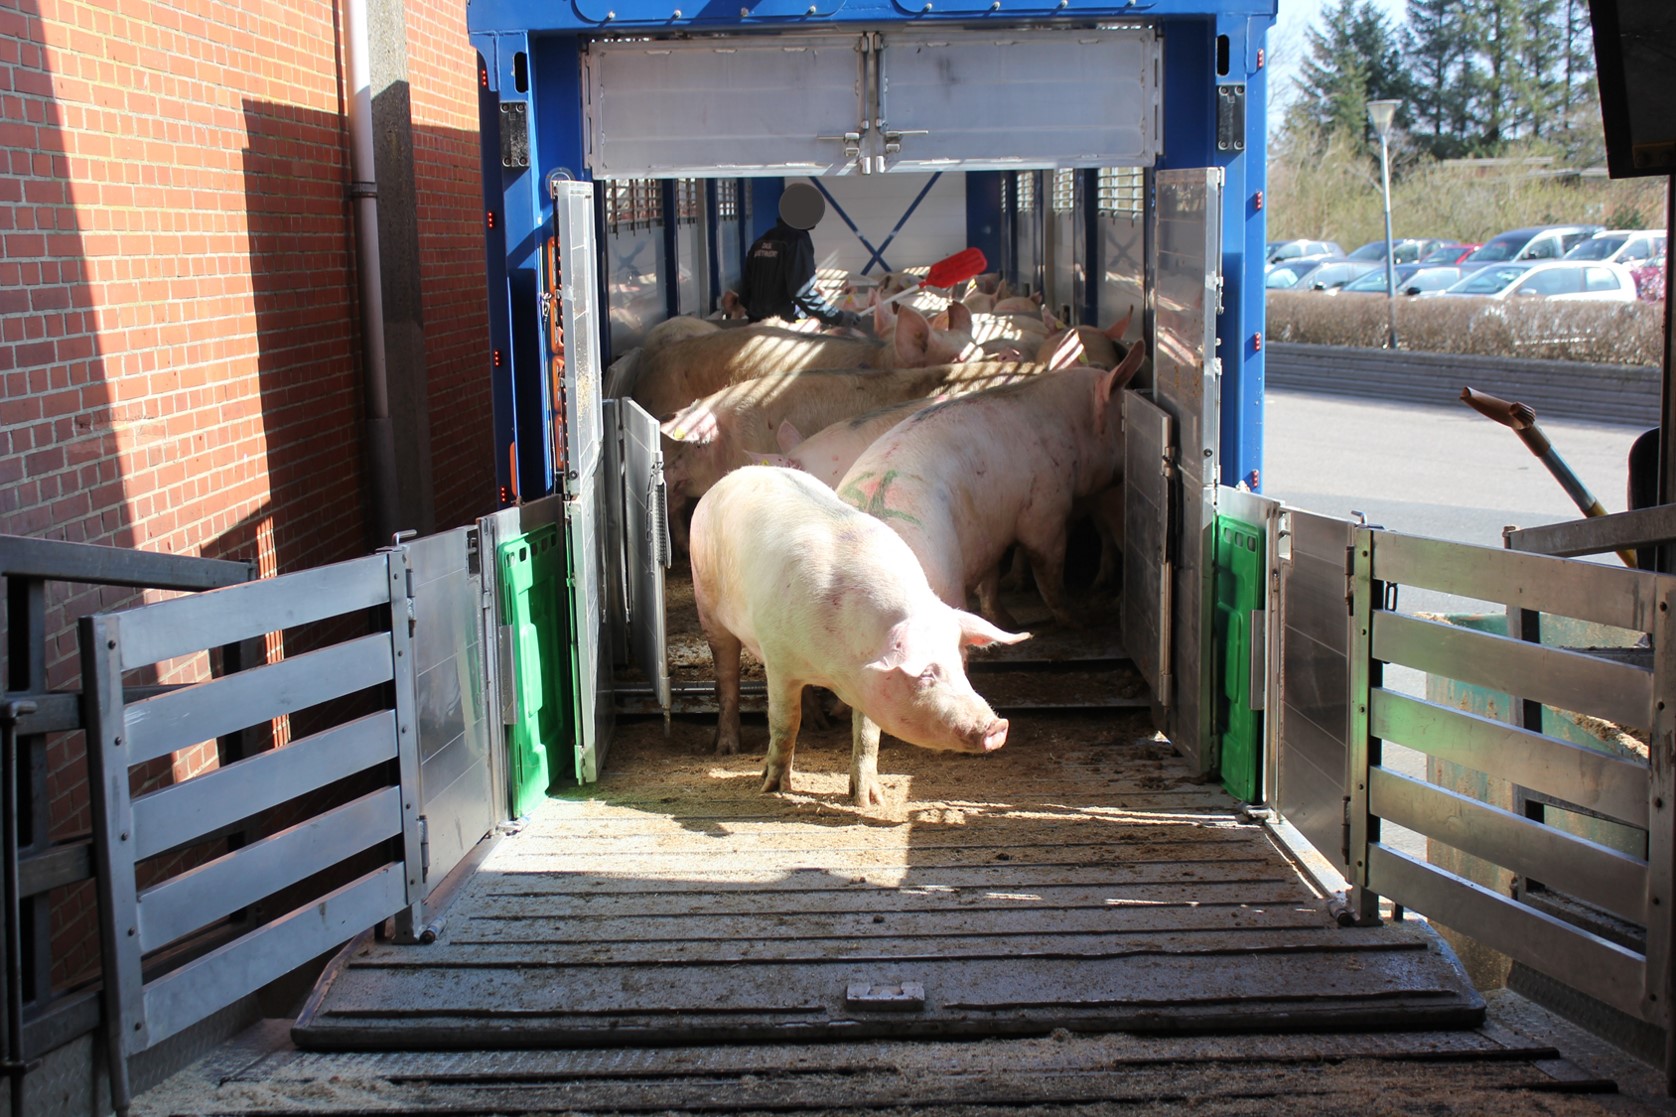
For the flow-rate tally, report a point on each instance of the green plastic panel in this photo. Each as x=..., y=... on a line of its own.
x=533, y=596
x=1240, y=566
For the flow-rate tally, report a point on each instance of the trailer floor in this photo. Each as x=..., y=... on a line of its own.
x=1094, y=932
x=1076, y=878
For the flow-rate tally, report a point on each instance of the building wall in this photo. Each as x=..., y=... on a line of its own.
x=179, y=355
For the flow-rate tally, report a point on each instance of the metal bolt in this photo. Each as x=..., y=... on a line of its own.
x=677, y=14
x=124, y=836
x=130, y=932
x=111, y=644
x=812, y=10
x=996, y=6
x=610, y=15
x=927, y=8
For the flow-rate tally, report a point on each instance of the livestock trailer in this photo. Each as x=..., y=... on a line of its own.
x=1109, y=156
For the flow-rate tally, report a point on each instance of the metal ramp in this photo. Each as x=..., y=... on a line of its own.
x=1080, y=878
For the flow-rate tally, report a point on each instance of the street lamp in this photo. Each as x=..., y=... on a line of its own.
x=1380, y=113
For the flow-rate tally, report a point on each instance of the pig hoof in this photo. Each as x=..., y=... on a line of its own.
x=726, y=746
x=867, y=792
x=773, y=781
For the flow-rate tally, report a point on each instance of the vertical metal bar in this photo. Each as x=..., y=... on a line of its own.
x=409, y=921
x=1361, y=756
x=1659, y=1005
x=123, y=995
x=15, y=1068
x=26, y=669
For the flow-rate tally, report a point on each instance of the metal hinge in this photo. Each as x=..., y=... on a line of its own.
x=424, y=848
x=1350, y=580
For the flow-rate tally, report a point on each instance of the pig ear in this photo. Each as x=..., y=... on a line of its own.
x=1049, y=320
x=895, y=656
x=913, y=337
x=1117, y=329
x=1129, y=365
x=1110, y=384
x=1003, y=290
x=787, y=436
x=976, y=632
x=731, y=306
x=960, y=317
x=884, y=318
x=940, y=321
x=1062, y=350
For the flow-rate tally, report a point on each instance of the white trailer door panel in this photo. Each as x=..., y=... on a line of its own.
x=741, y=106
x=986, y=100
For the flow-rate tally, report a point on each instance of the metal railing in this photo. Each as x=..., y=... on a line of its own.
x=1631, y=691
x=296, y=849
x=40, y=1019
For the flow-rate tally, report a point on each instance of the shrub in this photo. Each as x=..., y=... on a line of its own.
x=1607, y=333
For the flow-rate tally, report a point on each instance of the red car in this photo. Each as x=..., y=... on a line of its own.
x=1446, y=255
x=1649, y=279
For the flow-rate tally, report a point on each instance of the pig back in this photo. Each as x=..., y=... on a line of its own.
x=682, y=371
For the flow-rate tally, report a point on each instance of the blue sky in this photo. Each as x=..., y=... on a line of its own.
x=1288, y=47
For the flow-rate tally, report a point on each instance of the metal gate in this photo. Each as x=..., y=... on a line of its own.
x=1148, y=481
x=1187, y=239
x=638, y=550
x=1312, y=731
x=218, y=883
x=1590, y=902
x=572, y=336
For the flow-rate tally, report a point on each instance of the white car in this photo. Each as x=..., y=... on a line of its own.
x=1569, y=280
x=1630, y=247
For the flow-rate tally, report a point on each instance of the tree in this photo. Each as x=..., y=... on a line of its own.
x=1355, y=59
x=1441, y=34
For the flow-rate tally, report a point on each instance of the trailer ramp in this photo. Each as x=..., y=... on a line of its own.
x=1080, y=878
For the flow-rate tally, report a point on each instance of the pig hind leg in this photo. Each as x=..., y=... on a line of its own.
x=724, y=652
x=785, y=716
x=989, y=599
x=865, y=789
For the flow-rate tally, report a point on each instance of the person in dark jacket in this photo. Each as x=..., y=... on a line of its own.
x=779, y=279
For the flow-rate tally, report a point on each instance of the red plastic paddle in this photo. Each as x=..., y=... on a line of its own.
x=968, y=263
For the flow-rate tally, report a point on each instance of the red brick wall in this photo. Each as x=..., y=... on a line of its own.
x=178, y=331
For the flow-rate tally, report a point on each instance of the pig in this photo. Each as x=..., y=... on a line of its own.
x=1085, y=345
x=621, y=377
x=962, y=480
x=687, y=370
x=716, y=434
x=828, y=454
x=827, y=596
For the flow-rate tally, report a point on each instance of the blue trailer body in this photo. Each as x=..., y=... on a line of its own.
x=1214, y=96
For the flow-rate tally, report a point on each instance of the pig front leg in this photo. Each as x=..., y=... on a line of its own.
x=785, y=715
x=724, y=652
x=865, y=789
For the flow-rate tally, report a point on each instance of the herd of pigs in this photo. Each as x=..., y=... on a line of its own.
x=843, y=560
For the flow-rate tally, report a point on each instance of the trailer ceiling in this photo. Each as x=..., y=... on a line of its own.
x=842, y=102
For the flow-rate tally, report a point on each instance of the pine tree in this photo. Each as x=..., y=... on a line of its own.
x=1440, y=42
x=1356, y=57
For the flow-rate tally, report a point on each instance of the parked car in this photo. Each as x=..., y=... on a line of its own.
x=1630, y=247
x=1404, y=250
x=1285, y=275
x=1432, y=280
x=1570, y=280
x=1539, y=242
x=1328, y=275
x=1283, y=251
x=1412, y=279
x=1373, y=282
x=1452, y=252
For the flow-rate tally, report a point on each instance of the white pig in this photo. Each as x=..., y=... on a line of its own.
x=686, y=370
x=826, y=596
x=962, y=480
x=828, y=454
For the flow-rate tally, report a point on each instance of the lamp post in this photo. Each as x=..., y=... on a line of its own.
x=1380, y=113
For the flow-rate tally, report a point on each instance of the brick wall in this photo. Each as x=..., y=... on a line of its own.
x=178, y=330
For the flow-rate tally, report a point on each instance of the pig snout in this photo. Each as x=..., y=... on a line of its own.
x=990, y=737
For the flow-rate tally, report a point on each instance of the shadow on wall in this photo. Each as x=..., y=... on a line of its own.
x=129, y=415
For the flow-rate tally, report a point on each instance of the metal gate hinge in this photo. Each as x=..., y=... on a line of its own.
x=424, y=848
